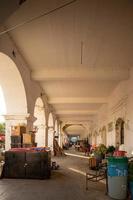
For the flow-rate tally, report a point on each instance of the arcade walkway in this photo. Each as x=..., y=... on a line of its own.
x=67, y=183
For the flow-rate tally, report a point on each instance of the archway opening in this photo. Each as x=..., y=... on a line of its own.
x=60, y=136
x=75, y=134
x=94, y=138
x=75, y=129
x=13, y=102
x=119, y=128
x=56, y=131
x=56, y=128
x=12, y=86
x=39, y=124
x=50, y=131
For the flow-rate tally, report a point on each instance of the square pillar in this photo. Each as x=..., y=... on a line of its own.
x=13, y=120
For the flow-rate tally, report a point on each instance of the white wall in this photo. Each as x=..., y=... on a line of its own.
x=120, y=104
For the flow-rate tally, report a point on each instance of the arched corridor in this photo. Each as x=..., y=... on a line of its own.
x=66, y=71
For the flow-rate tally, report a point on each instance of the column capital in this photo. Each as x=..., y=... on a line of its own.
x=50, y=127
x=31, y=118
x=16, y=116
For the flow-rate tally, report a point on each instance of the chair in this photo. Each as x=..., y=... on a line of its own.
x=98, y=174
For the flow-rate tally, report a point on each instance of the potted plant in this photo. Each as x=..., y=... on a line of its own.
x=99, y=152
x=102, y=149
x=110, y=150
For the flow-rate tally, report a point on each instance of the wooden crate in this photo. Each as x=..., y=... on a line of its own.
x=92, y=163
x=18, y=130
x=27, y=138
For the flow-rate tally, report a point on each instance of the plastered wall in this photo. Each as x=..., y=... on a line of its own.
x=120, y=105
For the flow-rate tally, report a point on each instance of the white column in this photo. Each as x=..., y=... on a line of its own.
x=50, y=137
x=13, y=120
x=40, y=136
x=59, y=137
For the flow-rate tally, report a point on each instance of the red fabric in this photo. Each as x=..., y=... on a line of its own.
x=2, y=138
x=119, y=153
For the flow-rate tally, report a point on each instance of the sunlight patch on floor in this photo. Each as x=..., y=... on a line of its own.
x=75, y=155
x=77, y=171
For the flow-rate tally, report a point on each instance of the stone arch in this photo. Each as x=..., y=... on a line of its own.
x=12, y=86
x=71, y=125
x=32, y=88
x=50, y=120
x=77, y=130
x=14, y=96
x=40, y=123
x=119, y=129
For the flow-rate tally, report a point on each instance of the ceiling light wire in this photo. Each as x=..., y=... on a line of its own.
x=37, y=17
x=81, y=51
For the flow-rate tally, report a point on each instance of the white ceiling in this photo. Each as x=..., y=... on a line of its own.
x=79, y=53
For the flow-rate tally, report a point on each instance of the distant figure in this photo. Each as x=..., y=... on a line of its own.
x=57, y=149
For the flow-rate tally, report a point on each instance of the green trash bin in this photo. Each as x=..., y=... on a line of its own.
x=117, y=171
x=130, y=178
x=130, y=171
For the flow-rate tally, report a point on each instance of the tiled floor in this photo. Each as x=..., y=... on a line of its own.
x=67, y=183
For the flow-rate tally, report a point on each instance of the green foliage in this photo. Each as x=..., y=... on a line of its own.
x=110, y=149
x=2, y=127
x=100, y=150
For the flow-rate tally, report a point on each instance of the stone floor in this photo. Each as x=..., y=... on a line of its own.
x=67, y=183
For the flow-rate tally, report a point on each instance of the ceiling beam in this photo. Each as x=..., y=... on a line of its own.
x=76, y=118
x=85, y=73
x=76, y=112
x=78, y=100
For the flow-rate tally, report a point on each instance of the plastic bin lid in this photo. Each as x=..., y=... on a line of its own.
x=117, y=159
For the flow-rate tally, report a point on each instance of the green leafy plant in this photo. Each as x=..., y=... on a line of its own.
x=2, y=127
x=102, y=149
x=110, y=149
